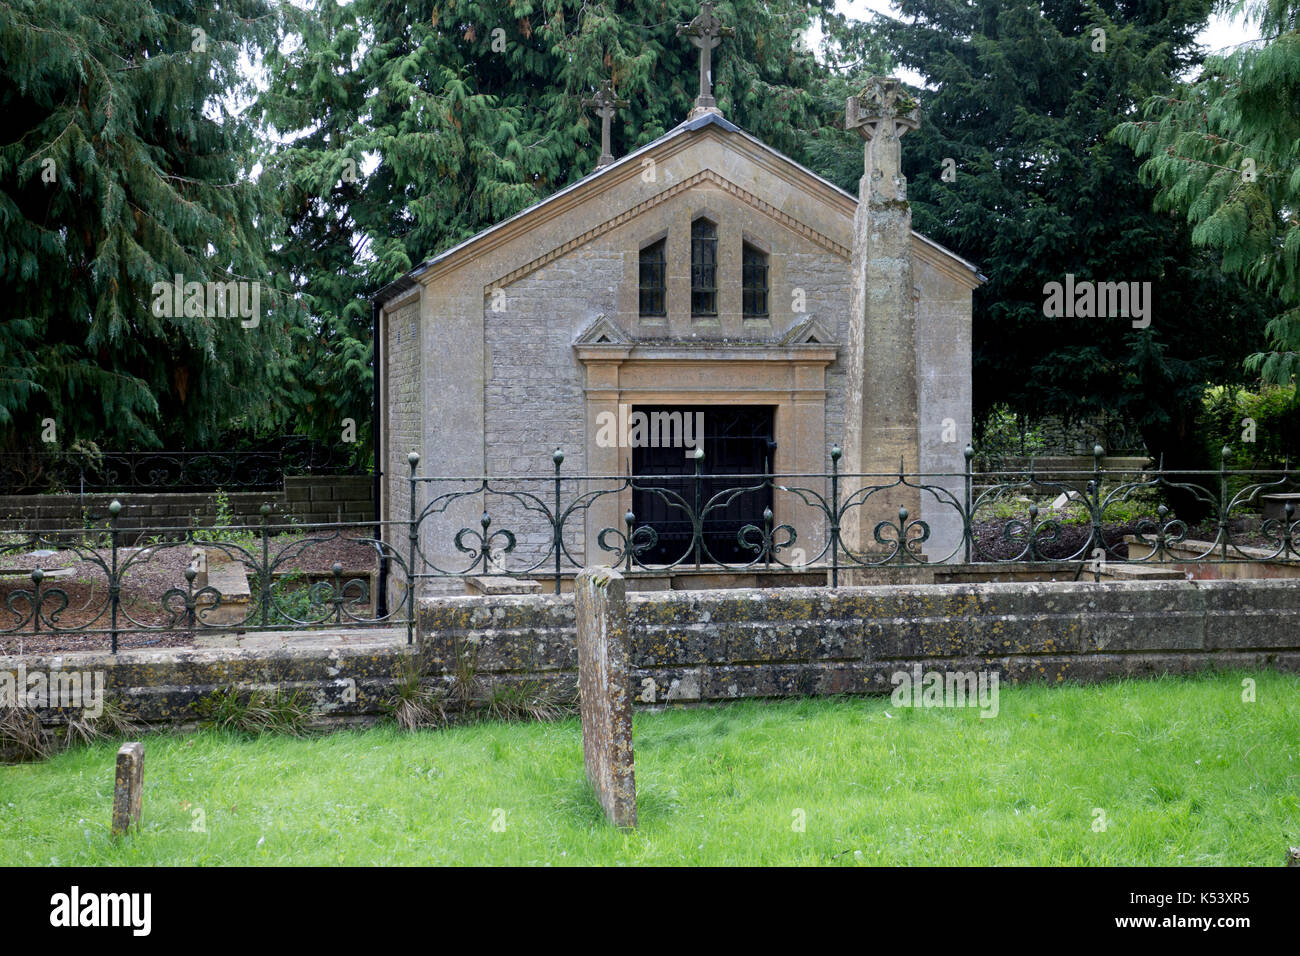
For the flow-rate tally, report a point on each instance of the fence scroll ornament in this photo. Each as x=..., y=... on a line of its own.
x=553, y=510
x=108, y=567
x=541, y=527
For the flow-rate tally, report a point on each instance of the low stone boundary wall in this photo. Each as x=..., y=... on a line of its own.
x=311, y=499
x=718, y=645
x=1060, y=467
x=343, y=676
x=690, y=646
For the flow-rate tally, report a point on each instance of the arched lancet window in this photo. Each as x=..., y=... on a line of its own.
x=654, y=271
x=754, y=282
x=704, y=268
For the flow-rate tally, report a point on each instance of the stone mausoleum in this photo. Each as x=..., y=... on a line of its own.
x=704, y=273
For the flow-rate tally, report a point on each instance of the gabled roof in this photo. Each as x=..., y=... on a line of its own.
x=406, y=282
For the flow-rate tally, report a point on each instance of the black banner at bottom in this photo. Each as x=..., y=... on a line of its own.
x=337, y=906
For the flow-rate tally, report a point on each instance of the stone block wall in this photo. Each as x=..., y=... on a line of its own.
x=340, y=683
x=719, y=645
x=697, y=646
x=308, y=499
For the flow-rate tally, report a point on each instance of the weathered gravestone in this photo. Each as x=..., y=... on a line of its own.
x=128, y=785
x=605, y=689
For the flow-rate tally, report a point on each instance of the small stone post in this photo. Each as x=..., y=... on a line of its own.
x=128, y=786
x=604, y=685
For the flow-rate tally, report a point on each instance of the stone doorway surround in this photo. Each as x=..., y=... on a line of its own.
x=790, y=375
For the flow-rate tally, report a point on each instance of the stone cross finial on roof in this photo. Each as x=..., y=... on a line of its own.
x=881, y=114
x=706, y=32
x=606, y=103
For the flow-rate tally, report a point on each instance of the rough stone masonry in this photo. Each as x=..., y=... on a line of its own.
x=605, y=693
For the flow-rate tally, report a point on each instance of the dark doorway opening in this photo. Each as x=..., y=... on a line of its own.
x=738, y=440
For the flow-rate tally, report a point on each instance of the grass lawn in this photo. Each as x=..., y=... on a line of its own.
x=1184, y=772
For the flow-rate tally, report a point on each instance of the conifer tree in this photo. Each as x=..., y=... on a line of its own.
x=1014, y=168
x=1224, y=151
x=124, y=162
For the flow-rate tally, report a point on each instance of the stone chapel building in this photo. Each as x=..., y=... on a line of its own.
x=703, y=272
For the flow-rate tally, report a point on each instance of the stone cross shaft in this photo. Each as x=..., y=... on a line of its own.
x=882, y=411
x=606, y=104
x=706, y=32
x=881, y=114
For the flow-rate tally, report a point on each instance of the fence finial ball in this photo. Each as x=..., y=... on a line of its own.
x=969, y=452
x=558, y=457
x=1098, y=451
x=115, y=508
x=836, y=451
x=264, y=510
x=699, y=453
x=413, y=458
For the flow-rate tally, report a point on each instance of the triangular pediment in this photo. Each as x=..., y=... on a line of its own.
x=602, y=332
x=808, y=332
x=744, y=160
x=704, y=178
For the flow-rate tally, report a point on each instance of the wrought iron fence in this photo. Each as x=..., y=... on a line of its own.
x=151, y=582
x=168, y=584
x=541, y=527
x=261, y=469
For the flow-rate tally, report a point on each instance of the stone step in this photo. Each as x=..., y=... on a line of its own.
x=217, y=570
x=1141, y=572
x=1275, y=505
x=501, y=584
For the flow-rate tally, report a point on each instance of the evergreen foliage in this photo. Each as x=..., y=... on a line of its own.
x=125, y=161
x=387, y=130
x=1224, y=151
x=1022, y=102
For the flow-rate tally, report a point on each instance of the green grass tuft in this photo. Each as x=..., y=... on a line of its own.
x=1183, y=771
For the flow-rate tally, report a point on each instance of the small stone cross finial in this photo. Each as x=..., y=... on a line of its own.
x=605, y=103
x=881, y=114
x=706, y=31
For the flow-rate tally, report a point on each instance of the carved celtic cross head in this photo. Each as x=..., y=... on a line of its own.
x=882, y=104
x=706, y=29
x=605, y=101
x=706, y=32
